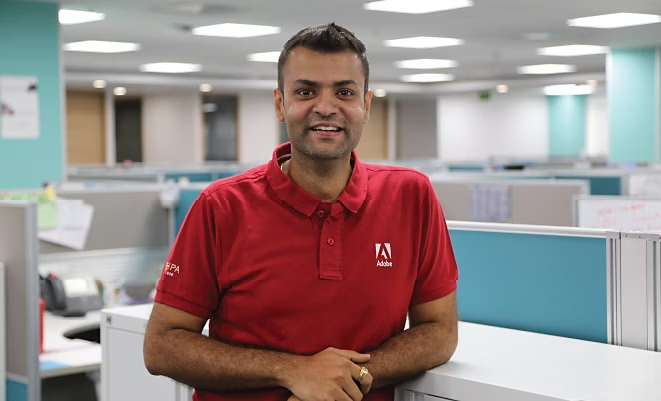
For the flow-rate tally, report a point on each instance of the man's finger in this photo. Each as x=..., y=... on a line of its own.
x=354, y=356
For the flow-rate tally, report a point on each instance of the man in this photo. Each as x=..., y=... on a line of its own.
x=307, y=267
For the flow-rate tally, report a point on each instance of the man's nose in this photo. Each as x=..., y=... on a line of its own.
x=326, y=104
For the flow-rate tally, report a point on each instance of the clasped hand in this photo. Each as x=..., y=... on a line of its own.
x=329, y=376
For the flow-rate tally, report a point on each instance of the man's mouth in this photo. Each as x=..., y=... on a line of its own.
x=326, y=128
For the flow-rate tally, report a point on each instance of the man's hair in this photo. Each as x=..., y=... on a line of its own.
x=326, y=38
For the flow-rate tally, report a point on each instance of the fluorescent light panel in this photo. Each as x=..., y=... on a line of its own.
x=171, y=68
x=417, y=6
x=427, y=78
x=99, y=46
x=266, y=57
x=426, y=63
x=380, y=92
x=618, y=20
x=71, y=17
x=568, y=90
x=572, y=50
x=546, y=69
x=423, y=42
x=230, y=30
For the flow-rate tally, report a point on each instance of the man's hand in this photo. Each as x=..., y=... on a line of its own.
x=329, y=376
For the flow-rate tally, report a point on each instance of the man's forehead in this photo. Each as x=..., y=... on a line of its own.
x=307, y=64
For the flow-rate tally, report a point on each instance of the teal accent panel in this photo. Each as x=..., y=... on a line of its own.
x=465, y=168
x=599, y=185
x=541, y=283
x=186, y=199
x=567, y=125
x=30, y=46
x=16, y=391
x=633, y=108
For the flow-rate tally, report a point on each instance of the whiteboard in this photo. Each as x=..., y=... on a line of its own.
x=620, y=214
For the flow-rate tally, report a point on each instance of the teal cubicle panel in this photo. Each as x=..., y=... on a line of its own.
x=186, y=198
x=599, y=185
x=549, y=284
x=469, y=168
x=16, y=391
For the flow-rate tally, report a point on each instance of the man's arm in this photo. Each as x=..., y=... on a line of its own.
x=430, y=341
x=174, y=347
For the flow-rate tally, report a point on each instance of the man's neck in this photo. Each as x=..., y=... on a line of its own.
x=325, y=179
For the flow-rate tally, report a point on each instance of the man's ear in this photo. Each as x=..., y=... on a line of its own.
x=279, y=103
x=368, y=106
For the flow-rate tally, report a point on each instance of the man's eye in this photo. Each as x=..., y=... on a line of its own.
x=305, y=92
x=345, y=92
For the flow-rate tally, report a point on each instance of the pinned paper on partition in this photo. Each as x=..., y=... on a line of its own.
x=46, y=208
x=492, y=203
x=74, y=219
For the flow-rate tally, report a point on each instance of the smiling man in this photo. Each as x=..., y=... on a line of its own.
x=308, y=266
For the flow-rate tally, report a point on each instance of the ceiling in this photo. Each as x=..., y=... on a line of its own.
x=494, y=32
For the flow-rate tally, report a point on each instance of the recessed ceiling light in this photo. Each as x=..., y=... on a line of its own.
x=572, y=50
x=100, y=46
x=380, y=92
x=119, y=91
x=229, y=30
x=423, y=42
x=170, y=68
x=546, y=69
x=71, y=17
x=427, y=77
x=618, y=20
x=502, y=89
x=593, y=83
x=99, y=84
x=426, y=63
x=567, y=90
x=266, y=57
x=416, y=6
x=206, y=88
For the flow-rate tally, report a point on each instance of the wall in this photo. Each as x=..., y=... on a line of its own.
x=597, y=142
x=172, y=128
x=510, y=125
x=417, y=129
x=86, y=138
x=374, y=141
x=259, y=129
x=34, y=50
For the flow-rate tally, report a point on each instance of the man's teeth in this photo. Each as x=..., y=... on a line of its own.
x=326, y=129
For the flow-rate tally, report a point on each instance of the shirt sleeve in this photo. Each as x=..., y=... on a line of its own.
x=437, y=270
x=189, y=280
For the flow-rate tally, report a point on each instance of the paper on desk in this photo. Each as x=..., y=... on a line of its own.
x=74, y=222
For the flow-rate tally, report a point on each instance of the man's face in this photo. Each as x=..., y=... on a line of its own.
x=323, y=102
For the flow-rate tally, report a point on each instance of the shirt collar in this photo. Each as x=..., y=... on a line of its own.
x=351, y=198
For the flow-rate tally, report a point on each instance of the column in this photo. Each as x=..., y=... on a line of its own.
x=567, y=125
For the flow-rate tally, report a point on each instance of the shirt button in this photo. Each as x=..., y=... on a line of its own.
x=321, y=214
x=331, y=242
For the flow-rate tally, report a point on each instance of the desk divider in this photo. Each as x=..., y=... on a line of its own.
x=19, y=251
x=509, y=273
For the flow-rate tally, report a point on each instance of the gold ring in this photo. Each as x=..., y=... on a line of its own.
x=363, y=373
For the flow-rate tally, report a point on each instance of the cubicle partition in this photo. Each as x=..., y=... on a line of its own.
x=123, y=217
x=549, y=280
x=19, y=254
x=516, y=201
x=187, y=196
x=3, y=330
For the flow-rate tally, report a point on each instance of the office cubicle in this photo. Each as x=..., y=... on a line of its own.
x=551, y=280
x=19, y=254
x=517, y=201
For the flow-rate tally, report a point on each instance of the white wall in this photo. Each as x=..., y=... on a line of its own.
x=510, y=125
x=258, y=127
x=597, y=142
x=172, y=128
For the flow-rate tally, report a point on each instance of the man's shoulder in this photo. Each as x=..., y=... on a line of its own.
x=237, y=184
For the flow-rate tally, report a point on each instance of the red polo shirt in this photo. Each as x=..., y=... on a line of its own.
x=273, y=267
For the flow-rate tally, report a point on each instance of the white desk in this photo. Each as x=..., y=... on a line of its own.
x=64, y=356
x=500, y=364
